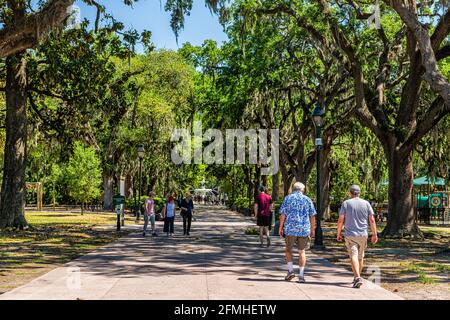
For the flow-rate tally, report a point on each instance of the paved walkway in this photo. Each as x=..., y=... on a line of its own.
x=218, y=261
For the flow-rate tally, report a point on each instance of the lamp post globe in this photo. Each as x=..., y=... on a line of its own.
x=317, y=116
x=141, y=151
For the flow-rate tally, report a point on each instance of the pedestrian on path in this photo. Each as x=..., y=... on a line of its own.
x=263, y=208
x=297, y=222
x=355, y=215
x=187, y=210
x=149, y=214
x=169, y=216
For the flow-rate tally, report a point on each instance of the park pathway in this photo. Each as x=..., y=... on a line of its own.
x=218, y=261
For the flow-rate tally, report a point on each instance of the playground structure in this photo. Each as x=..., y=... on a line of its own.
x=431, y=200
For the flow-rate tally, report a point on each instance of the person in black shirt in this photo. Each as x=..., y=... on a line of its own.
x=187, y=209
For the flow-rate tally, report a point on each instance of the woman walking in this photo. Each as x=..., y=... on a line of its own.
x=169, y=216
x=187, y=209
x=149, y=214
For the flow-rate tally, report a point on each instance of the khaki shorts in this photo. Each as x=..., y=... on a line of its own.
x=302, y=243
x=356, y=246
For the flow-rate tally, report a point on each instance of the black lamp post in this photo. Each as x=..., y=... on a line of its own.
x=353, y=155
x=317, y=116
x=140, y=152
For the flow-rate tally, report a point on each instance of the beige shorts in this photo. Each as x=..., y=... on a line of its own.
x=302, y=243
x=356, y=246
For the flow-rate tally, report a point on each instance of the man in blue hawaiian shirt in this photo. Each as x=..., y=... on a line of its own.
x=297, y=221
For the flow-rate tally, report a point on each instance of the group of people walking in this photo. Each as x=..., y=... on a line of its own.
x=297, y=227
x=186, y=209
x=297, y=224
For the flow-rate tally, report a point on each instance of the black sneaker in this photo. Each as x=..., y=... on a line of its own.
x=358, y=283
x=143, y=234
x=290, y=275
x=268, y=242
x=301, y=279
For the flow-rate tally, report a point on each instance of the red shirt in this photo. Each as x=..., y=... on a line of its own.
x=263, y=200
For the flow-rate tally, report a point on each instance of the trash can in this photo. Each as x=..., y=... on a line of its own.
x=119, y=202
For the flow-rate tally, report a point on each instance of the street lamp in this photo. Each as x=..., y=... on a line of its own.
x=317, y=116
x=140, y=152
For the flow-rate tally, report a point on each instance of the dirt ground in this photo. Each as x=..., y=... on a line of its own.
x=52, y=240
x=413, y=269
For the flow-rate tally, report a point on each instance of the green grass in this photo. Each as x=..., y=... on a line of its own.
x=54, y=238
x=251, y=231
x=423, y=278
x=411, y=268
x=67, y=218
x=437, y=230
x=442, y=267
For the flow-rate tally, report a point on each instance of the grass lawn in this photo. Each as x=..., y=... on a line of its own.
x=53, y=239
x=412, y=269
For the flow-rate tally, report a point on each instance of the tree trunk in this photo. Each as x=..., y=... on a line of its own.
x=13, y=186
x=401, y=220
x=256, y=182
x=287, y=183
x=108, y=179
x=129, y=186
x=275, y=186
x=248, y=183
x=152, y=183
x=325, y=178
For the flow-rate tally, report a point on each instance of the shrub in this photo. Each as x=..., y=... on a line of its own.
x=251, y=231
x=242, y=202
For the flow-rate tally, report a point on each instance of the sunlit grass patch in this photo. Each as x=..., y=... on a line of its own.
x=411, y=268
x=53, y=239
x=442, y=267
x=425, y=279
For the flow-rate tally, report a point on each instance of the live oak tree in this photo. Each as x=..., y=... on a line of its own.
x=25, y=25
x=83, y=174
x=399, y=92
x=266, y=76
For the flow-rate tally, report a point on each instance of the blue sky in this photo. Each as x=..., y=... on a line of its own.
x=149, y=15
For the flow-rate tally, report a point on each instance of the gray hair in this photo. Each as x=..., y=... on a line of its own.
x=355, y=190
x=298, y=186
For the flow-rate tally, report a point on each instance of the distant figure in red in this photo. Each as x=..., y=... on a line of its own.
x=263, y=209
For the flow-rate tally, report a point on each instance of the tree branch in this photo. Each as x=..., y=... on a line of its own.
x=431, y=118
x=28, y=31
x=432, y=74
x=443, y=53
x=441, y=32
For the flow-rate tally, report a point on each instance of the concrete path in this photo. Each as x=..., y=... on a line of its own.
x=218, y=261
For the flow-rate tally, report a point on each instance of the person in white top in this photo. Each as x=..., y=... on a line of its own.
x=169, y=216
x=149, y=214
